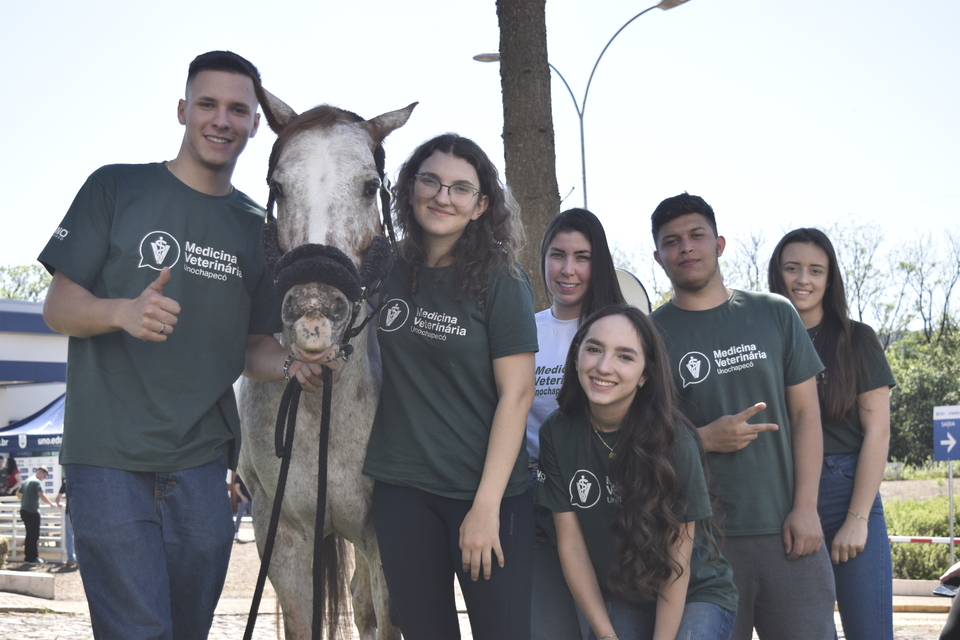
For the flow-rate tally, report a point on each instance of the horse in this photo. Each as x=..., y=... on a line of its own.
x=325, y=181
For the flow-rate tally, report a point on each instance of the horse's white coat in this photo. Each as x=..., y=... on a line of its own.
x=325, y=177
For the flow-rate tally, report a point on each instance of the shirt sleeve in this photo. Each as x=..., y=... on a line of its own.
x=550, y=493
x=875, y=370
x=265, y=308
x=685, y=457
x=511, y=322
x=79, y=247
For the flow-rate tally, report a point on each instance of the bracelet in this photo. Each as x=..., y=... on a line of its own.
x=609, y=636
x=286, y=367
x=857, y=515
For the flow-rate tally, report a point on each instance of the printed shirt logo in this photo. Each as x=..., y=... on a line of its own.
x=584, y=489
x=393, y=315
x=61, y=233
x=694, y=368
x=159, y=249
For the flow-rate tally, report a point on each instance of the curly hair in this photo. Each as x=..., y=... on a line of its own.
x=488, y=244
x=646, y=527
x=603, y=289
x=836, y=336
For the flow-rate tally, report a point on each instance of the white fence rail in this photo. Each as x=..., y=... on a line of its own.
x=51, y=530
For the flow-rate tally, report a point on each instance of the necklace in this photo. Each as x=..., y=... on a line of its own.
x=613, y=454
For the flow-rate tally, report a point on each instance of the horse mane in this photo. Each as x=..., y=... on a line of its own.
x=320, y=117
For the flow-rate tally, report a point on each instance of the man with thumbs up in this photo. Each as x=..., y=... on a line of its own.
x=745, y=371
x=158, y=279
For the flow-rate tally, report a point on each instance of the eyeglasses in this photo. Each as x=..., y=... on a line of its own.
x=428, y=187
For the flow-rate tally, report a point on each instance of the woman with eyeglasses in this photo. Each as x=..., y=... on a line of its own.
x=623, y=475
x=457, y=337
x=579, y=274
x=854, y=392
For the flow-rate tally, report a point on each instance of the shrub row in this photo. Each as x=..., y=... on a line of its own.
x=929, y=518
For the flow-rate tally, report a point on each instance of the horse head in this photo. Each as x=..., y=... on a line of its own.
x=326, y=247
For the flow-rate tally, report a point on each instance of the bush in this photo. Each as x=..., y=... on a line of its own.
x=930, y=518
x=4, y=550
x=928, y=376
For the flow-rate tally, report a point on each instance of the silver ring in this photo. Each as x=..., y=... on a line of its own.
x=163, y=328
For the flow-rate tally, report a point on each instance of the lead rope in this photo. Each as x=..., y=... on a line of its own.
x=283, y=444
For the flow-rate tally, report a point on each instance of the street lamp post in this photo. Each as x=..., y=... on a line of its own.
x=582, y=105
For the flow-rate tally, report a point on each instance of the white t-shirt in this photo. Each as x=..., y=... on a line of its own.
x=554, y=337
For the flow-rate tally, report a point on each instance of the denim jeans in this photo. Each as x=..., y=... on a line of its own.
x=865, y=583
x=700, y=621
x=68, y=541
x=243, y=509
x=155, y=548
x=553, y=614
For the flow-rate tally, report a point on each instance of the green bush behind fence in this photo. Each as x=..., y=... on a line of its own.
x=929, y=518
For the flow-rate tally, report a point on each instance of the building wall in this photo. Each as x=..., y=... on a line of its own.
x=32, y=361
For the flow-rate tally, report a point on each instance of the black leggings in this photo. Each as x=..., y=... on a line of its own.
x=419, y=538
x=951, y=630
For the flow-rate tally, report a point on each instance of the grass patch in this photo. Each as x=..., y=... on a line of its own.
x=929, y=470
x=929, y=518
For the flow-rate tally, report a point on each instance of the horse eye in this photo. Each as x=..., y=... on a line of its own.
x=276, y=190
x=370, y=188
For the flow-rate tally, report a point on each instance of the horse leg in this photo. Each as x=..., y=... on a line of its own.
x=364, y=613
x=374, y=594
x=289, y=574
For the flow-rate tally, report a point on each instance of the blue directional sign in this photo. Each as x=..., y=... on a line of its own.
x=946, y=433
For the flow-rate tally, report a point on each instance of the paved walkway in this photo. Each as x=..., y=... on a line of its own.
x=26, y=618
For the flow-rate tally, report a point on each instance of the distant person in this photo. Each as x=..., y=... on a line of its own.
x=622, y=472
x=30, y=495
x=854, y=392
x=746, y=373
x=244, y=504
x=13, y=479
x=68, y=541
x=579, y=274
x=158, y=279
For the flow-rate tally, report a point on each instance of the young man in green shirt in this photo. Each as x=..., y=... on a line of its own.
x=30, y=494
x=158, y=279
x=745, y=371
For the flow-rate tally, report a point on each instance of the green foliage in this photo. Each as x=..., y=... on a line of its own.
x=24, y=282
x=929, y=470
x=918, y=561
x=928, y=375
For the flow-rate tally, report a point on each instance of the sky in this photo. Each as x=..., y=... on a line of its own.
x=780, y=114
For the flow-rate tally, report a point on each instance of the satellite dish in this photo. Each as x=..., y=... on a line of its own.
x=633, y=290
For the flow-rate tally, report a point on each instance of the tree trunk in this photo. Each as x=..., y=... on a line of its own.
x=528, y=126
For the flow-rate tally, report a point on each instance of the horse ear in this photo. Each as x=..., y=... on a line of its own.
x=277, y=112
x=381, y=126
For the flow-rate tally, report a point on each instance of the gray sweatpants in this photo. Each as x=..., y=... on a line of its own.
x=783, y=599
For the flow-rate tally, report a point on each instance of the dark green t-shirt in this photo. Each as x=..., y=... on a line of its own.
x=439, y=394
x=144, y=406
x=726, y=359
x=846, y=436
x=573, y=477
x=30, y=495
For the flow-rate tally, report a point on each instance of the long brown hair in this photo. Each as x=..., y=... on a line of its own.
x=646, y=528
x=834, y=339
x=489, y=243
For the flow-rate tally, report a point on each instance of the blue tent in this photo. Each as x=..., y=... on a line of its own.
x=43, y=431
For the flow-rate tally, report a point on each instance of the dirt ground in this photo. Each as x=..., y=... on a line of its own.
x=240, y=583
x=245, y=562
